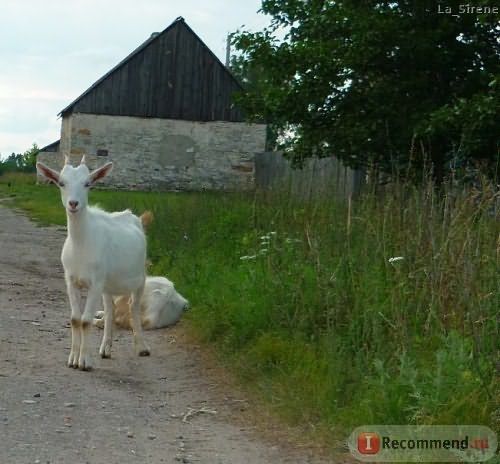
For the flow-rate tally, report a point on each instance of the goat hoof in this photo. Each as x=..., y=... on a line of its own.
x=85, y=367
x=144, y=353
x=84, y=364
x=105, y=351
x=72, y=361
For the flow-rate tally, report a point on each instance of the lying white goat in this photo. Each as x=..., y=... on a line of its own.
x=161, y=306
x=104, y=253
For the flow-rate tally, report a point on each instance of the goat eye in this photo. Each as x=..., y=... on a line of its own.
x=87, y=184
x=61, y=184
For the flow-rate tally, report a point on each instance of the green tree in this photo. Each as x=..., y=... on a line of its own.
x=396, y=84
x=20, y=162
x=28, y=159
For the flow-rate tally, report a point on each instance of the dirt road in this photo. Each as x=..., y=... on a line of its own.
x=129, y=409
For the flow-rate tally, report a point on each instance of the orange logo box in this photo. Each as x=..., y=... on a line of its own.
x=368, y=443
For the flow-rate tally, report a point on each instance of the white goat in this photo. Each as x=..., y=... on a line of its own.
x=161, y=306
x=104, y=253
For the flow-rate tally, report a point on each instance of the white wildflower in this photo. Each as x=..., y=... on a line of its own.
x=246, y=258
x=396, y=259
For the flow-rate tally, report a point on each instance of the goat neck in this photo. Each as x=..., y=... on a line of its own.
x=77, y=225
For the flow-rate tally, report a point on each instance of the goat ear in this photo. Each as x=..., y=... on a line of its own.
x=101, y=172
x=48, y=173
x=66, y=159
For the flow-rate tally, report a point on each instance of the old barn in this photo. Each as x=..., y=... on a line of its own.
x=165, y=116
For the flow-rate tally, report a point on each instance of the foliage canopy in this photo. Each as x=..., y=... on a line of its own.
x=395, y=84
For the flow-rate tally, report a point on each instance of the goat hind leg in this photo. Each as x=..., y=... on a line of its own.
x=135, y=321
x=107, y=338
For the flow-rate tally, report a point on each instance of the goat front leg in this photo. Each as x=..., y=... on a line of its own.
x=107, y=338
x=135, y=321
x=93, y=297
x=75, y=301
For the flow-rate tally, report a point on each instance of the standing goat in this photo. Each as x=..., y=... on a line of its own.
x=104, y=253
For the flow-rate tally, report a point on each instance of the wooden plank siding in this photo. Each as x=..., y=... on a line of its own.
x=172, y=75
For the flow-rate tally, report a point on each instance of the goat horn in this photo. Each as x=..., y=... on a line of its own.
x=83, y=160
x=66, y=159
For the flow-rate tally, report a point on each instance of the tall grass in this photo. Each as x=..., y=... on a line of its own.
x=305, y=303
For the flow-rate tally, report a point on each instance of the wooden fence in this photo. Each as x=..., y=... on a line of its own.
x=318, y=176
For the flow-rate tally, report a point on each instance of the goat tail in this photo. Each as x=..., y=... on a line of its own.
x=146, y=219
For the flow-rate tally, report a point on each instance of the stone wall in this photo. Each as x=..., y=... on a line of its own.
x=164, y=154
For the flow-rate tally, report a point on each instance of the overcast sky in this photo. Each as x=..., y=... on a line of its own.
x=53, y=50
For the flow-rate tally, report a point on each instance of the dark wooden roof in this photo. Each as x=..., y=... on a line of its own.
x=54, y=146
x=171, y=75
